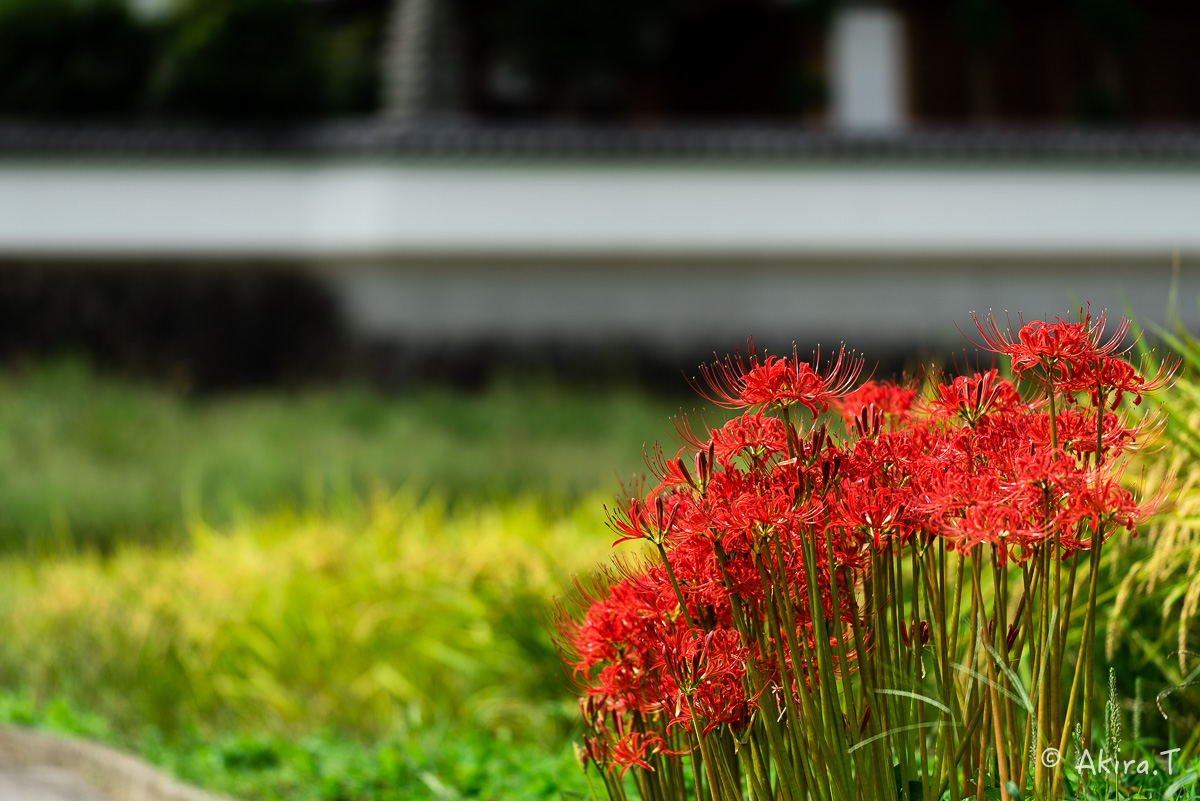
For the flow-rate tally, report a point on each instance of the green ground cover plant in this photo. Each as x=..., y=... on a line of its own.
x=431, y=765
x=92, y=461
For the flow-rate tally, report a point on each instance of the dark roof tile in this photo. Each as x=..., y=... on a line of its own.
x=716, y=143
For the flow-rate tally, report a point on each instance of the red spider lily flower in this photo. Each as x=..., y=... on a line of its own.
x=749, y=517
x=753, y=434
x=738, y=383
x=994, y=524
x=1101, y=502
x=695, y=564
x=920, y=629
x=974, y=398
x=879, y=511
x=644, y=521
x=706, y=674
x=866, y=718
x=630, y=750
x=618, y=626
x=674, y=474
x=1011, y=637
x=1060, y=345
x=890, y=399
x=1076, y=429
x=594, y=750
x=761, y=514
x=1105, y=375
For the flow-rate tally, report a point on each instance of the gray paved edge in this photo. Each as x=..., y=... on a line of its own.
x=109, y=774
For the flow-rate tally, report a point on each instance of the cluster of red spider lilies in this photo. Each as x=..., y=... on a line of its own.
x=884, y=612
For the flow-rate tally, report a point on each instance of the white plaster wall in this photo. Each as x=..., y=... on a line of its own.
x=869, y=304
x=867, y=68
x=675, y=254
x=399, y=211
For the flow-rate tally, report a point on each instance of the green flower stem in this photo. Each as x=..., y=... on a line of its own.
x=916, y=666
x=1008, y=712
x=1088, y=636
x=715, y=786
x=902, y=668
x=785, y=632
x=935, y=574
x=963, y=745
x=976, y=605
x=883, y=646
x=922, y=748
x=683, y=608
x=699, y=768
x=726, y=767
x=817, y=726
x=757, y=787
x=614, y=786
x=881, y=763
x=956, y=608
x=761, y=767
x=1062, y=742
x=787, y=766
x=839, y=770
x=705, y=752
x=998, y=729
x=1090, y=616
x=985, y=731
x=1053, y=414
x=587, y=776
x=852, y=707
x=843, y=661
x=1043, y=692
x=939, y=674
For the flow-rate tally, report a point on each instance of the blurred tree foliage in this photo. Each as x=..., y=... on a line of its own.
x=256, y=60
x=644, y=58
x=273, y=60
x=351, y=61
x=980, y=25
x=72, y=58
x=250, y=59
x=642, y=61
x=1114, y=28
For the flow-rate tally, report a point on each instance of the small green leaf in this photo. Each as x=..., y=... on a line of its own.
x=1177, y=785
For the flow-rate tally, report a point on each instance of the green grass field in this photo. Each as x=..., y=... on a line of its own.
x=326, y=594
x=342, y=596
x=93, y=461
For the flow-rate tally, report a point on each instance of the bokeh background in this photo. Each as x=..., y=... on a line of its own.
x=326, y=326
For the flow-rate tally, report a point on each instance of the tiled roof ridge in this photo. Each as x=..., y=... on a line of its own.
x=557, y=140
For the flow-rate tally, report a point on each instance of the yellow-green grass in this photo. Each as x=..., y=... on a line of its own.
x=1153, y=582
x=375, y=617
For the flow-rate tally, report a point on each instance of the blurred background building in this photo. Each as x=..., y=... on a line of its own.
x=255, y=190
